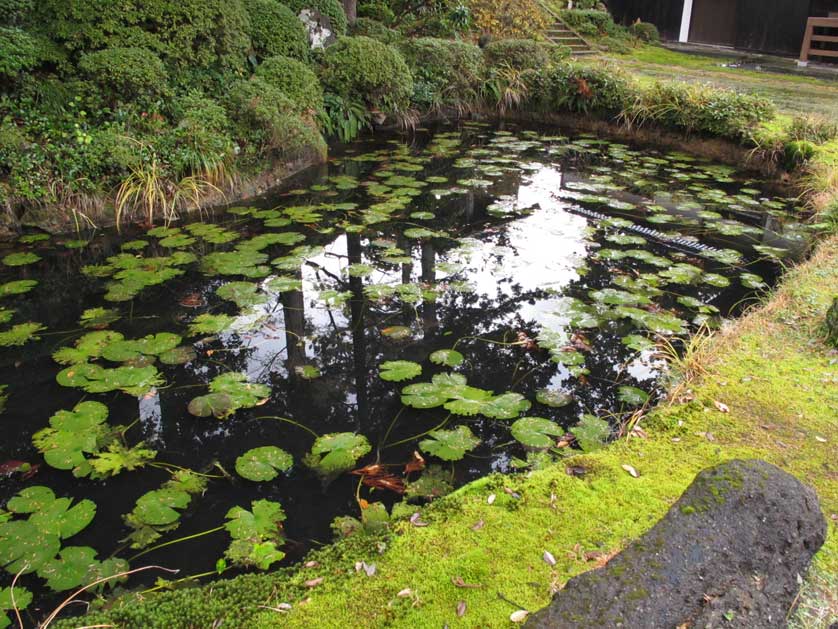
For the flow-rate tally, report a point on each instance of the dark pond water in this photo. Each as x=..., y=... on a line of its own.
x=550, y=264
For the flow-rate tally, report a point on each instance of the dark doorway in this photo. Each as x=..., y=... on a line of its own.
x=713, y=22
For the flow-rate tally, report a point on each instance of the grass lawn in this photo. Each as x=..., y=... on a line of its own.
x=793, y=94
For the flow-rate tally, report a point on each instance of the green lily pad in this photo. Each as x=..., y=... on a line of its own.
x=72, y=434
x=591, y=433
x=178, y=355
x=20, y=598
x=447, y=357
x=98, y=317
x=160, y=506
x=335, y=453
x=21, y=334
x=536, y=432
x=399, y=370
x=24, y=548
x=263, y=464
x=210, y=324
x=21, y=259
x=69, y=569
x=434, y=482
x=752, y=281
x=218, y=405
x=632, y=396
x=450, y=445
x=307, y=372
x=17, y=287
x=553, y=398
x=506, y=406
x=243, y=294
x=61, y=519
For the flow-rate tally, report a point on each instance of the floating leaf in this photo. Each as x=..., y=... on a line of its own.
x=307, y=372
x=255, y=534
x=243, y=294
x=536, y=432
x=447, y=357
x=69, y=569
x=591, y=432
x=21, y=259
x=397, y=332
x=553, y=398
x=450, y=445
x=335, y=453
x=632, y=396
x=263, y=464
x=752, y=281
x=17, y=287
x=399, y=370
x=160, y=506
x=72, y=434
x=210, y=324
x=24, y=548
x=21, y=334
x=98, y=317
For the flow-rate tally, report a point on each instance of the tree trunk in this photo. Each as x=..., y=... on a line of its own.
x=350, y=7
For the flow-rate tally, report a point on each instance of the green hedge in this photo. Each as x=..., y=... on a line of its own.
x=276, y=30
x=125, y=73
x=331, y=8
x=295, y=80
x=644, y=31
x=377, y=30
x=18, y=52
x=363, y=69
x=580, y=88
x=521, y=54
x=592, y=23
x=448, y=71
x=186, y=33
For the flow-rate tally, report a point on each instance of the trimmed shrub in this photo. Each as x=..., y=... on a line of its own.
x=14, y=11
x=268, y=122
x=444, y=71
x=125, y=72
x=186, y=33
x=201, y=139
x=331, y=8
x=581, y=88
x=701, y=109
x=367, y=27
x=521, y=54
x=377, y=10
x=18, y=52
x=294, y=79
x=509, y=18
x=644, y=31
x=276, y=30
x=363, y=69
x=615, y=44
x=592, y=23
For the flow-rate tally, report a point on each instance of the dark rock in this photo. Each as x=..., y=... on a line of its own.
x=728, y=554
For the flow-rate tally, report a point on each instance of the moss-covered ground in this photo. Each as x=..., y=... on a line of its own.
x=769, y=390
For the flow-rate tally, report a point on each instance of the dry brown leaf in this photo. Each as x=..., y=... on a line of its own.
x=311, y=564
x=628, y=468
x=415, y=521
x=417, y=464
x=519, y=616
x=722, y=408
x=313, y=583
x=461, y=609
x=478, y=525
x=404, y=593
x=458, y=581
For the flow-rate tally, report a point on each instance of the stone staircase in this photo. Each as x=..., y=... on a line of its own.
x=560, y=33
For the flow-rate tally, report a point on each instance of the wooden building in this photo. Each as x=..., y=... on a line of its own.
x=768, y=26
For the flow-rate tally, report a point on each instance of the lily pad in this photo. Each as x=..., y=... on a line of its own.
x=24, y=548
x=210, y=324
x=399, y=370
x=335, y=453
x=21, y=334
x=632, y=396
x=553, y=398
x=263, y=464
x=17, y=287
x=434, y=482
x=447, y=357
x=536, y=432
x=591, y=433
x=21, y=259
x=450, y=445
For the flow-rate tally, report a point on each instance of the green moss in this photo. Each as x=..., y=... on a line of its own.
x=688, y=509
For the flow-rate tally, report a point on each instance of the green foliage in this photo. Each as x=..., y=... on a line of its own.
x=399, y=370
x=536, y=432
x=831, y=323
x=125, y=72
x=450, y=445
x=20, y=334
x=276, y=30
x=18, y=52
x=375, y=29
x=201, y=142
x=13, y=598
x=699, y=109
x=615, y=45
x=210, y=34
x=296, y=81
x=646, y=32
x=378, y=10
x=344, y=118
x=256, y=534
x=447, y=357
x=592, y=23
x=574, y=87
x=331, y=8
x=451, y=390
x=263, y=464
x=448, y=72
x=521, y=54
x=228, y=393
x=159, y=510
x=364, y=69
x=591, y=433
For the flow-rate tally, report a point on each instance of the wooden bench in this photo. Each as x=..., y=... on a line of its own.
x=829, y=41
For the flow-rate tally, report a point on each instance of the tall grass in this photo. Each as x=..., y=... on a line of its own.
x=686, y=359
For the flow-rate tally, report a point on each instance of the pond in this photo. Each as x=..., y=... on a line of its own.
x=476, y=300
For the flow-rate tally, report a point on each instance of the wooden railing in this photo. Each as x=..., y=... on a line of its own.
x=810, y=37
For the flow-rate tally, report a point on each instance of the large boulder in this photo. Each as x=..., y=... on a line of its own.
x=728, y=554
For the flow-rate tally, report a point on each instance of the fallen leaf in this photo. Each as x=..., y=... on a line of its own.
x=311, y=564
x=491, y=499
x=417, y=464
x=478, y=525
x=404, y=593
x=458, y=581
x=415, y=521
x=519, y=616
x=514, y=494
x=313, y=583
x=548, y=558
x=819, y=438
x=633, y=472
x=461, y=609
x=722, y=408
x=576, y=470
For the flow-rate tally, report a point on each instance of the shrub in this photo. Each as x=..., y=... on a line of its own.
x=18, y=52
x=332, y=8
x=644, y=31
x=276, y=30
x=450, y=72
x=694, y=108
x=592, y=23
x=815, y=129
x=509, y=18
x=268, y=122
x=14, y=11
x=577, y=87
x=294, y=79
x=377, y=10
x=201, y=142
x=521, y=54
x=615, y=44
x=186, y=33
x=125, y=72
x=364, y=69
x=367, y=27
